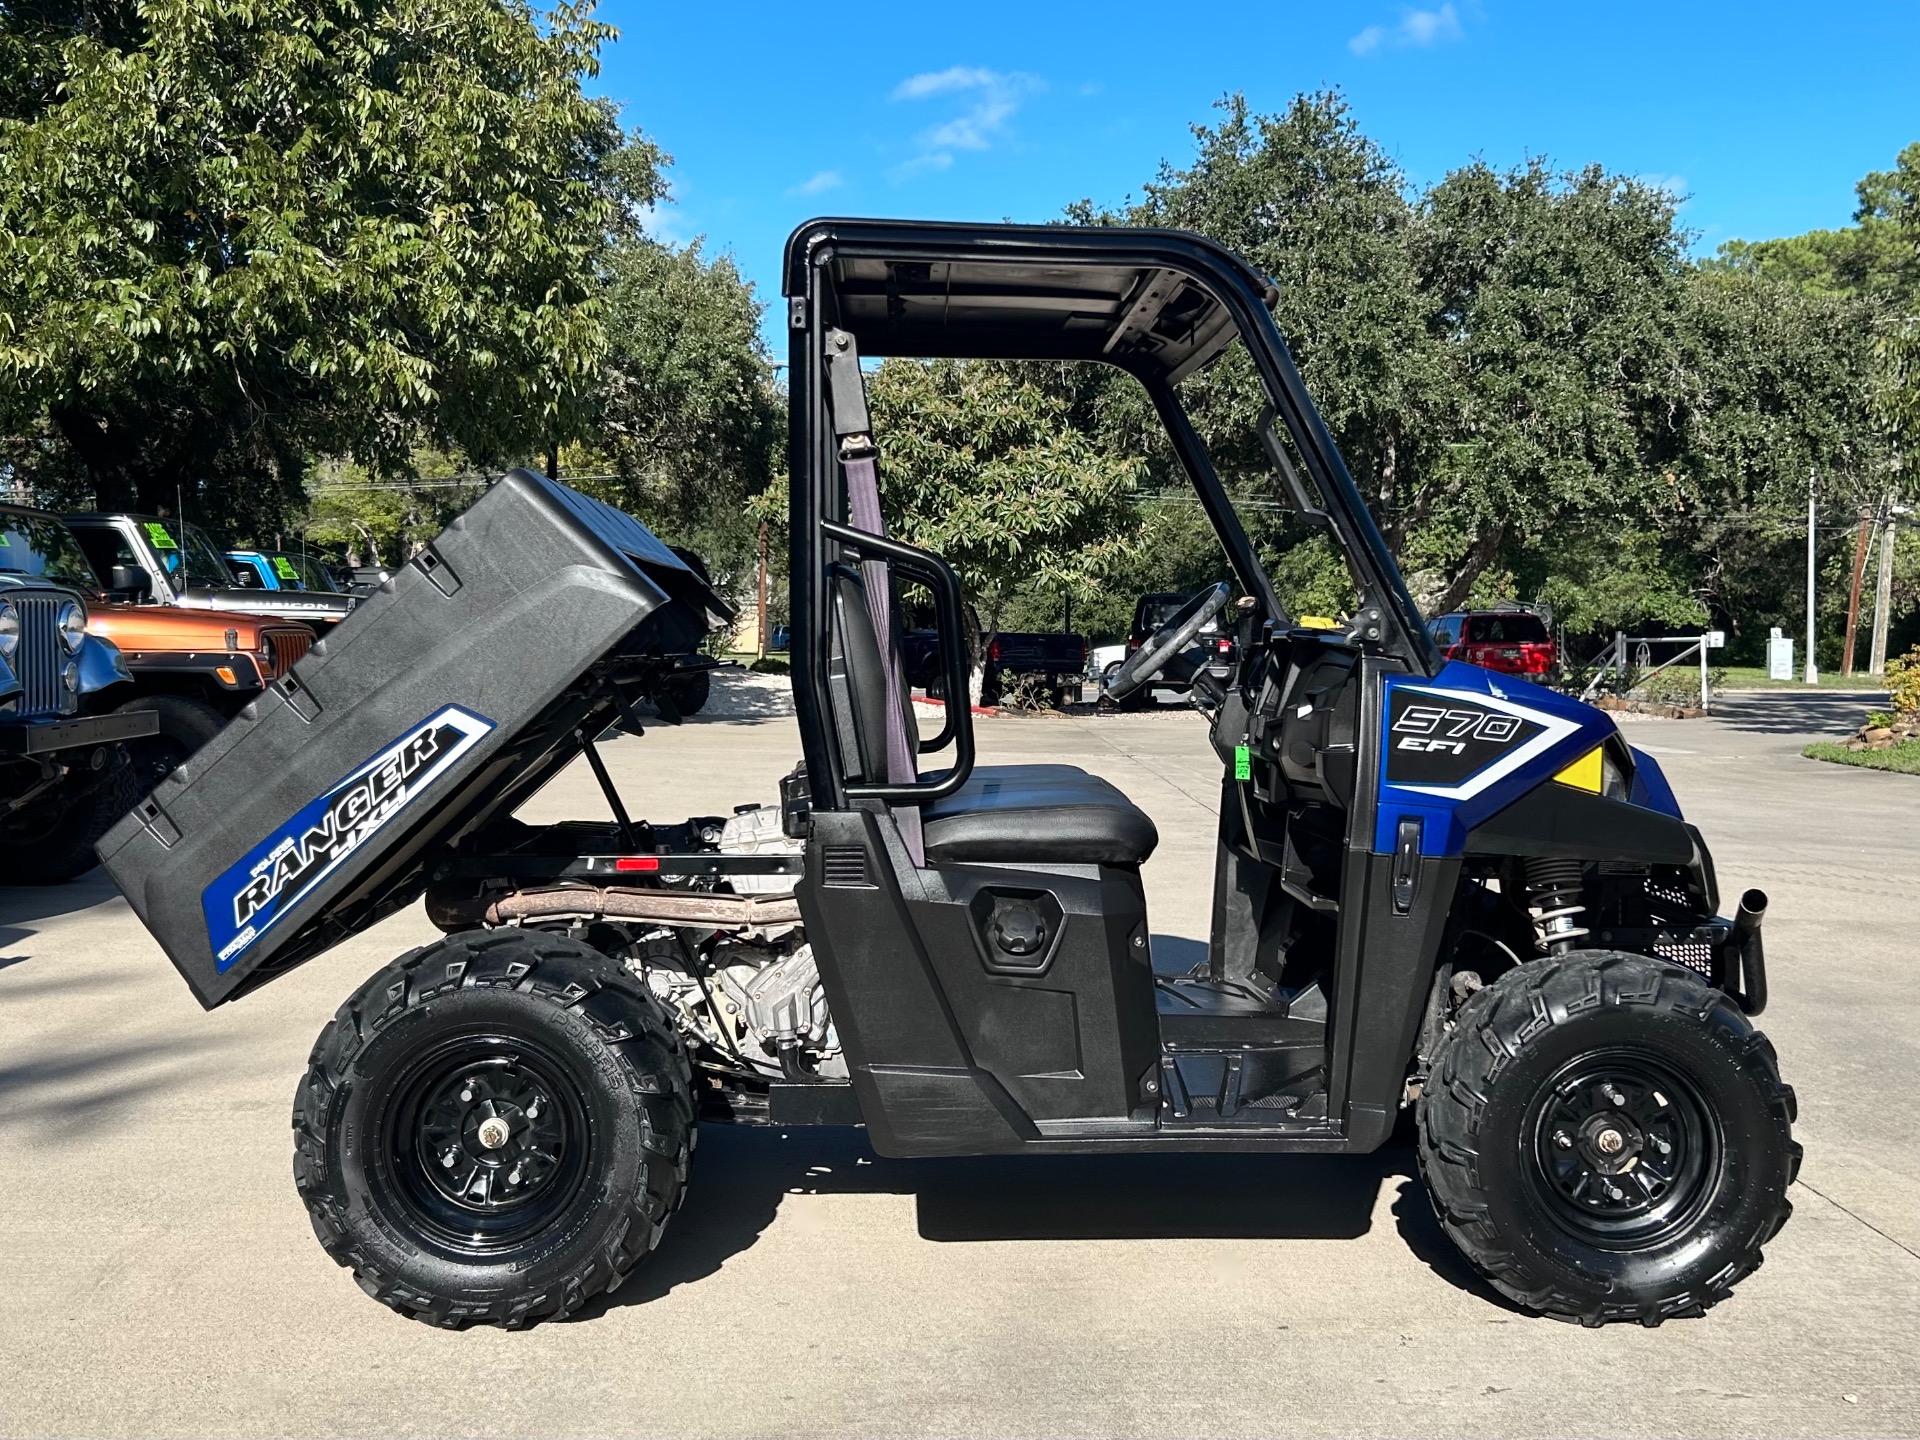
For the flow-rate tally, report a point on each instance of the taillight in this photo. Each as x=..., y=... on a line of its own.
x=1223, y=645
x=993, y=652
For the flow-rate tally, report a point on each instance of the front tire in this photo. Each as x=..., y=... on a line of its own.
x=51, y=842
x=494, y=1129
x=1606, y=1137
x=185, y=725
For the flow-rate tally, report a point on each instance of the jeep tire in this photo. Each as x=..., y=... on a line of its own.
x=51, y=841
x=1606, y=1137
x=494, y=1128
x=185, y=725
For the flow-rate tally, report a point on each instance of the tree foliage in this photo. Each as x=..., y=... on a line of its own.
x=983, y=466
x=689, y=423
x=234, y=233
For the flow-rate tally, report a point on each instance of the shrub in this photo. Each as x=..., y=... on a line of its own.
x=1677, y=686
x=770, y=665
x=1903, y=682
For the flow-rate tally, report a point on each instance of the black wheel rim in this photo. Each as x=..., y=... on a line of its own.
x=1624, y=1153
x=154, y=760
x=486, y=1143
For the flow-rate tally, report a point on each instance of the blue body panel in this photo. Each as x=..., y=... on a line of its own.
x=1563, y=729
x=1650, y=789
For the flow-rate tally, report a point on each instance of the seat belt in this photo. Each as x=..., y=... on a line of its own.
x=853, y=434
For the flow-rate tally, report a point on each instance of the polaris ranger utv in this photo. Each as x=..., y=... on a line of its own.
x=1437, y=887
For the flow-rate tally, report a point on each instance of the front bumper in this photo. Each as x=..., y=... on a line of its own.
x=47, y=737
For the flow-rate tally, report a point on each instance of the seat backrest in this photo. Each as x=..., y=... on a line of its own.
x=857, y=679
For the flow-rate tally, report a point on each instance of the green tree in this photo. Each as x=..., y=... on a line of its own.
x=689, y=423
x=235, y=233
x=983, y=466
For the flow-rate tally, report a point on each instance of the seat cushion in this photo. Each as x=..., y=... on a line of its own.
x=1037, y=814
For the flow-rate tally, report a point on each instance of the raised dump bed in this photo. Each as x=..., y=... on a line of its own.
x=458, y=689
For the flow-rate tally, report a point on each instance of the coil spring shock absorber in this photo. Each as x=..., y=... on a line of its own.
x=1554, y=900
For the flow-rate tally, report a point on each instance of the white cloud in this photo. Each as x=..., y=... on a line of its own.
x=944, y=82
x=991, y=97
x=819, y=183
x=1416, y=29
x=664, y=222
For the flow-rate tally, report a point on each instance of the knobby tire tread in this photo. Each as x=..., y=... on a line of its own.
x=571, y=976
x=1489, y=1032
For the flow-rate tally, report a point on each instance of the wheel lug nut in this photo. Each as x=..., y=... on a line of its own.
x=1563, y=1140
x=446, y=1160
x=466, y=1097
x=494, y=1132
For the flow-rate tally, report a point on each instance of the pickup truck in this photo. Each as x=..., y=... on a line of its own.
x=64, y=774
x=191, y=670
x=147, y=559
x=1059, y=656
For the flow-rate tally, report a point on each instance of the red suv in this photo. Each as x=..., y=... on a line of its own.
x=1515, y=641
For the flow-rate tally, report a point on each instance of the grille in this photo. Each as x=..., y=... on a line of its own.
x=41, y=656
x=1696, y=955
x=844, y=866
x=1665, y=894
x=286, y=647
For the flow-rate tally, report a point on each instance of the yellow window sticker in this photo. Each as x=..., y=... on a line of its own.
x=157, y=533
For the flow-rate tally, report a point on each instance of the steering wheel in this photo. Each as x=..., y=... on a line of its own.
x=1168, y=641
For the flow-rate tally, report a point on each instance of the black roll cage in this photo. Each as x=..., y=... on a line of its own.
x=1033, y=315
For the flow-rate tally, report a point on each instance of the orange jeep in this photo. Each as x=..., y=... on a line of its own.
x=193, y=668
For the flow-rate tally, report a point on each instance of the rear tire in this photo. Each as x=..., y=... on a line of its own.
x=690, y=692
x=185, y=725
x=38, y=848
x=1606, y=1137
x=494, y=1129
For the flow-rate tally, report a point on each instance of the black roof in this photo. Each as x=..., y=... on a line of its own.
x=1143, y=298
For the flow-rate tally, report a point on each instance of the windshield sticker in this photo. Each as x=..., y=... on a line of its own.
x=157, y=533
x=283, y=567
x=271, y=880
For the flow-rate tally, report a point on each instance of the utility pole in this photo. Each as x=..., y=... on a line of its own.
x=1812, y=672
x=762, y=592
x=1862, y=543
x=1883, y=591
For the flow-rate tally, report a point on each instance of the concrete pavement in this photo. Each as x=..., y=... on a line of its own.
x=162, y=1278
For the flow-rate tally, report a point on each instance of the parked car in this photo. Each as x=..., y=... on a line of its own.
x=1513, y=639
x=64, y=774
x=192, y=670
x=280, y=570
x=147, y=559
x=1060, y=657
x=1057, y=658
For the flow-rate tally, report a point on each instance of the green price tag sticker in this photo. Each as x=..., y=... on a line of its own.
x=1242, y=763
x=157, y=533
x=283, y=567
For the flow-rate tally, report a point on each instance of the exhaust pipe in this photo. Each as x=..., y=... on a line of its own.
x=1747, y=944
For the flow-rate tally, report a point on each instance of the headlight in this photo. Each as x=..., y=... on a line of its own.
x=1615, y=781
x=9, y=630
x=71, y=675
x=73, y=625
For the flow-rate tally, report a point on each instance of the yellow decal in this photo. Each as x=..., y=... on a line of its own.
x=1584, y=773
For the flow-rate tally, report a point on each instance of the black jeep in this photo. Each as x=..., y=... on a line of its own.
x=64, y=776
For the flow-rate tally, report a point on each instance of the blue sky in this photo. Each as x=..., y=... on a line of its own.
x=1762, y=115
